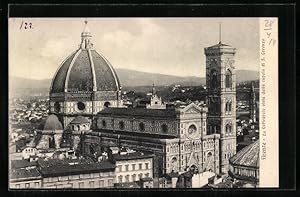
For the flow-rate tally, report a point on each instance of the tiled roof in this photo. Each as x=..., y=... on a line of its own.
x=17, y=164
x=248, y=156
x=145, y=179
x=31, y=173
x=171, y=175
x=132, y=156
x=141, y=135
x=79, y=120
x=126, y=185
x=139, y=112
x=56, y=167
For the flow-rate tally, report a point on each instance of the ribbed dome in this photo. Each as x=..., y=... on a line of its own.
x=82, y=71
x=248, y=156
x=85, y=70
x=51, y=123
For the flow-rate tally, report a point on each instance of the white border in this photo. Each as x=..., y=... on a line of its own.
x=268, y=103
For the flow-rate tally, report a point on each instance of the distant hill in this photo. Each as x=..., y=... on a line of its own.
x=131, y=78
x=23, y=83
x=246, y=75
x=137, y=78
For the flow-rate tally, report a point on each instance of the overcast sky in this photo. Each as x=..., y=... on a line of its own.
x=173, y=46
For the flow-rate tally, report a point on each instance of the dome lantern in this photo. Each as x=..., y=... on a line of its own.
x=86, y=37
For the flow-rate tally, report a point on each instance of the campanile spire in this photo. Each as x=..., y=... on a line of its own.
x=220, y=33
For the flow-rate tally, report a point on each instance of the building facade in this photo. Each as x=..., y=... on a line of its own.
x=177, y=137
x=155, y=101
x=221, y=99
x=24, y=175
x=25, y=178
x=76, y=174
x=131, y=167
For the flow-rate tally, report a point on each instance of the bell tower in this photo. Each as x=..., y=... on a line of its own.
x=221, y=89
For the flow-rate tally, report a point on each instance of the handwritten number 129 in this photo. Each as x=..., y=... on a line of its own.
x=26, y=25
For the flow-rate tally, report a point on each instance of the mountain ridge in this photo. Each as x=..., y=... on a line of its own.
x=131, y=78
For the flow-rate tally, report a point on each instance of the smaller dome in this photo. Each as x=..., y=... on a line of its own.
x=79, y=120
x=248, y=156
x=51, y=123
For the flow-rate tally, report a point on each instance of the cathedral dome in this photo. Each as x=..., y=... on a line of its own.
x=85, y=70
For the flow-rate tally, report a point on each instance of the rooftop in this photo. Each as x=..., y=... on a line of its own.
x=128, y=134
x=18, y=164
x=171, y=175
x=79, y=120
x=220, y=45
x=145, y=179
x=17, y=174
x=133, y=156
x=56, y=167
x=126, y=185
x=142, y=112
x=248, y=156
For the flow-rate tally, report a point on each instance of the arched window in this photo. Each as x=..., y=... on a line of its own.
x=174, y=163
x=142, y=126
x=228, y=79
x=104, y=123
x=164, y=128
x=228, y=106
x=228, y=128
x=56, y=107
x=120, y=178
x=106, y=104
x=133, y=177
x=121, y=125
x=213, y=79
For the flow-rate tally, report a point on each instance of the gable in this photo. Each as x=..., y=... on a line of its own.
x=192, y=109
x=192, y=160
